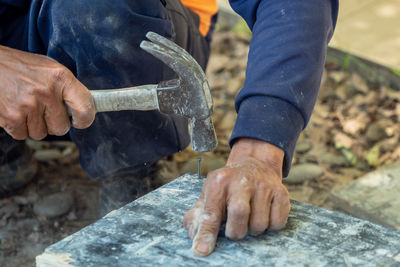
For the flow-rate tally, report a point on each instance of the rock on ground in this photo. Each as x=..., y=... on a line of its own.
x=47, y=155
x=333, y=160
x=53, y=205
x=303, y=172
x=303, y=147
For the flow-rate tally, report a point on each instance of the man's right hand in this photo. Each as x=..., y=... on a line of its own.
x=34, y=92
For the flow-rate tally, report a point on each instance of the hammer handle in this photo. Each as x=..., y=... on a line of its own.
x=132, y=98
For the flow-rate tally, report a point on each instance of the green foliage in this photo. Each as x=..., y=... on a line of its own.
x=242, y=28
x=373, y=156
x=396, y=71
x=346, y=61
x=347, y=153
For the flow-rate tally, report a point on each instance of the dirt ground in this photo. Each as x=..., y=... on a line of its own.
x=353, y=130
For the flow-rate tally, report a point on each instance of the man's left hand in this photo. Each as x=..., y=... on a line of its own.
x=248, y=193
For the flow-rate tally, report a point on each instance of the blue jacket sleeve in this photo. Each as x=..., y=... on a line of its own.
x=284, y=70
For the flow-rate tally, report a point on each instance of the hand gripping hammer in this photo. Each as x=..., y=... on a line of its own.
x=187, y=96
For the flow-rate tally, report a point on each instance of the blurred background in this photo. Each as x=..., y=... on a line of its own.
x=347, y=159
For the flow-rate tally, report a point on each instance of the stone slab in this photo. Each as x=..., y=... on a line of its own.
x=374, y=197
x=149, y=232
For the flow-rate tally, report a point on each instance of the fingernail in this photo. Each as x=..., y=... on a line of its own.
x=255, y=233
x=202, y=248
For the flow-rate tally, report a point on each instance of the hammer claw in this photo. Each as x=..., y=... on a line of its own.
x=190, y=75
x=171, y=58
x=180, y=53
x=162, y=41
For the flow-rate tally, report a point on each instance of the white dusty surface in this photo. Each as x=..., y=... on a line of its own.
x=149, y=232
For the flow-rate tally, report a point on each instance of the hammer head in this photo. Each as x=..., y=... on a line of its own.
x=187, y=96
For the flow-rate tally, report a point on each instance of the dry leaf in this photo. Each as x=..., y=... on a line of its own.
x=343, y=139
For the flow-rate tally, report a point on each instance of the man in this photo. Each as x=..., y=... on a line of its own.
x=97, y=41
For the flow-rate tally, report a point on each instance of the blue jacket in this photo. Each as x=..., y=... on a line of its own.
x=284, y=69
x=285, y=65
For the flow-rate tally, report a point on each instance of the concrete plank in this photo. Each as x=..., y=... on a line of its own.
x=149, y=232
x=349, y=7
x=374, y=197
x=372, y=30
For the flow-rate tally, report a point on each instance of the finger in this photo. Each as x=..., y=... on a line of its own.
x=15, y=126
x=37, y=129
x=192, y=217
x=280, y=209
x=80, y=101
x=55, y=114
x=57, y=119
x=19, y=132
x=260, y=211
x=238, y=216
x=209, y=223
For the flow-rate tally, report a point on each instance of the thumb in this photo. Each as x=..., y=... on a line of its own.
x=80, y=102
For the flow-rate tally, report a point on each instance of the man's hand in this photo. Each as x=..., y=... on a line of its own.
x=33, y=92
x=248, y=193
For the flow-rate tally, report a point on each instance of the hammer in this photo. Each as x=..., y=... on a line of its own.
x=187, y=96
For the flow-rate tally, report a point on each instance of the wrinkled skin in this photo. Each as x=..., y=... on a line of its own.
x=248, y=193
x=34, y=93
